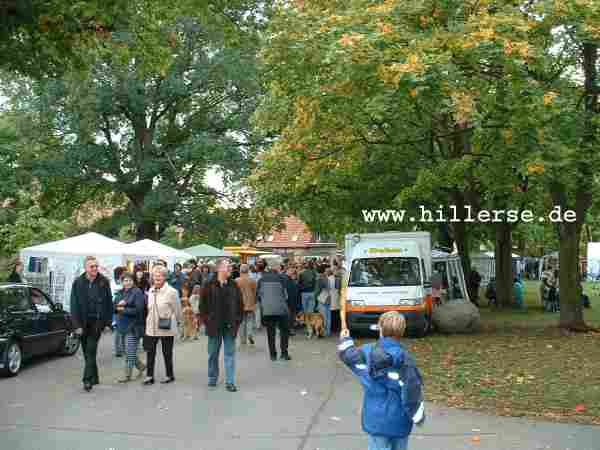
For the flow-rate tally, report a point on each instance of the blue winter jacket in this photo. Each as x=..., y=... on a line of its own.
x=390, y=407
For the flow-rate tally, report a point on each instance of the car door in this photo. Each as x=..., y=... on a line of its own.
x=21, y=316
x=51, y=321
x=40, y=342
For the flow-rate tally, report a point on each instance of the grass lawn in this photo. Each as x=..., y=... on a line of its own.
x=518, y=365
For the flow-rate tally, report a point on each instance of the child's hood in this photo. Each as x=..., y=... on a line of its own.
x=386, y=354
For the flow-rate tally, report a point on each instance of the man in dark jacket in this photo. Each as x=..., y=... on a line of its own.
x=293, y=293
x=91, y=312
x=271, y=295
x=221, y=309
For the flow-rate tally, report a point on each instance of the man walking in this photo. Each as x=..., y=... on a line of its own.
x=91, y=312
x=260, y=270
x=272, y=296
x=221, y=309
x=307, y=282
x=248, y=289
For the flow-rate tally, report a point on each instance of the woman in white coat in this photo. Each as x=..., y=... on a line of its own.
x=163, y=312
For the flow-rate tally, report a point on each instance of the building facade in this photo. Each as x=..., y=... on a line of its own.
x=296, y=240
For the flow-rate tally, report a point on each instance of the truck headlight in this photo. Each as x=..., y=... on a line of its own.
x=410, y=301
x=357, y=302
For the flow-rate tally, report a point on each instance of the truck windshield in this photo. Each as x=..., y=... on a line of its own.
x=392, y=271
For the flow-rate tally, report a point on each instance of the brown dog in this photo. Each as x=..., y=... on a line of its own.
x=315, y=324
x=189, y=330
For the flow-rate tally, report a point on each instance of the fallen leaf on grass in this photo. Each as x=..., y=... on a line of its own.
x=580, y=408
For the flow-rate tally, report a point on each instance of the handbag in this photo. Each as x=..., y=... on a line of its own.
x=163, y=323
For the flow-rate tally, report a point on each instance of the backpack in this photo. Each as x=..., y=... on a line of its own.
x=407, y=375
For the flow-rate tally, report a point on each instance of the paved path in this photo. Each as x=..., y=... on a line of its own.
x=310, y=403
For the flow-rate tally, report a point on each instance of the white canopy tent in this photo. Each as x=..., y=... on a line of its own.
x=485, y=264
x=64, y=259
x=149, y=250
x=449, y=268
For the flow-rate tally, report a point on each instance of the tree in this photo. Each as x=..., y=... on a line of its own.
x=478, y=88
x=404, y=90
x=148, y=134
x=54, y=36
x=29, y=227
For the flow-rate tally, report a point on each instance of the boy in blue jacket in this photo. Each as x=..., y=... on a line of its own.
x=393, y=399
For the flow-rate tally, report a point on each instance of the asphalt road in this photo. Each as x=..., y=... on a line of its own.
x=310, y=403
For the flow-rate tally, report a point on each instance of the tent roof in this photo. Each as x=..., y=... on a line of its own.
x=205, y=251
x=151, y=249
x=82, y=245
x=490, y=255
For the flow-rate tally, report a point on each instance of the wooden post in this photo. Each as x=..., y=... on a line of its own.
x=343, y=296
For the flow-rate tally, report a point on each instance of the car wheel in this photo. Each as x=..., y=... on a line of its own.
x=70, y=345
x=13, y=359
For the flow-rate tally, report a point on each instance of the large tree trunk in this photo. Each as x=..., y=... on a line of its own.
x=146, y=230
x=571, y=311
x=460, y=232
x=503, y=254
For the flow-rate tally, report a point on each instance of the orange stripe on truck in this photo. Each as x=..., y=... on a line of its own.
x=370, y=308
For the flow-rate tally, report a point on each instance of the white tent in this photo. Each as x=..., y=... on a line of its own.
x=449, y=268
x=485, y=264
x=64, y=259
x=149, y=250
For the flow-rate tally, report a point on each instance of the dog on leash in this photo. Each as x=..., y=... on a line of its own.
x=315, y=323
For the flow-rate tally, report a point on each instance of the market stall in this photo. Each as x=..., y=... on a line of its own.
x=63, y=260
x=151, y=251
x=207, y=251
x=448, y=268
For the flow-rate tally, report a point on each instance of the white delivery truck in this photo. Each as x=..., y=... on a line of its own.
x=388, y=272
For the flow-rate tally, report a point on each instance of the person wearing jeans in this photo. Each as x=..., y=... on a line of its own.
x=306, y=282
x=323, y=296
x=226, y=338
x=162, y=307
x=221, y=309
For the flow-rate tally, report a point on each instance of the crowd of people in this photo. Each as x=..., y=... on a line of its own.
x=222, y=300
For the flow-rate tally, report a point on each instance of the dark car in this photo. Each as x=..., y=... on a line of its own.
x=31, y=325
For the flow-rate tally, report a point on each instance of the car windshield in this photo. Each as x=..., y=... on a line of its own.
x=390, y=271
x=13, y=298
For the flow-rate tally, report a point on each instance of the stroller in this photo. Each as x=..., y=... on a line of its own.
x=490, y=293
x=551, y=300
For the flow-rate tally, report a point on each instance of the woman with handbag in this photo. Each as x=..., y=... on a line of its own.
x=324, y=299
x=163, y=309
x=130, y=323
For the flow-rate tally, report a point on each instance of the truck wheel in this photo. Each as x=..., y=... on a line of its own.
x=424, y=331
